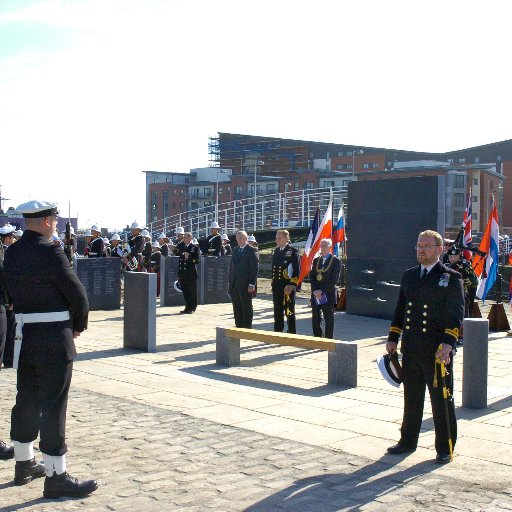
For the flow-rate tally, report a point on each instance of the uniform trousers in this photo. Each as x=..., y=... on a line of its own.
x=327, y=310
x=9, y=338
x=3, y=330
x=242, y=307
x=189, y=287
x=418, y=373
x=44, y=376
x=280, y=308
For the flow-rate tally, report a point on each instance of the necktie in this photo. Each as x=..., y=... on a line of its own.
x=424, y=273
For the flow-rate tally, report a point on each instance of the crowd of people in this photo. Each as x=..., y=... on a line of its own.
x=45, y=307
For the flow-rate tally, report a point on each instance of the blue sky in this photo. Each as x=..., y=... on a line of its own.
x=93, y=92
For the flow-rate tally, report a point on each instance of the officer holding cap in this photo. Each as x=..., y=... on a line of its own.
x=51, y=310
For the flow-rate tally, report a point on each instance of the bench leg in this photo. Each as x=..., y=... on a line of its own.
x=227, y=349
x=342, y=366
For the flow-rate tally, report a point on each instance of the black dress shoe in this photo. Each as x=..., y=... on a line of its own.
x=442, y=458
x=183, y=311
x=66, y=485
x=398, y=448
x=6, y=452
x=27, y=470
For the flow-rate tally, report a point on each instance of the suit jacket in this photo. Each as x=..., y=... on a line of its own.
x=329, y=277
x=40, y=280
x=429, y=310
x=243, y=270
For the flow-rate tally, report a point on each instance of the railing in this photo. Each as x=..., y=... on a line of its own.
x=273, y=211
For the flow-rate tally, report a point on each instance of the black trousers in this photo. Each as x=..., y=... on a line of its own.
x=418, y=374
x=43, y=383
x=242, y=307
x=3, y=330
x=281, y=309
x=189, y=287
x=327, y=310
x=9, y=338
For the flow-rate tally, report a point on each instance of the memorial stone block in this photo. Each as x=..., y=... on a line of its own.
x=213, y=278
x=101, y=278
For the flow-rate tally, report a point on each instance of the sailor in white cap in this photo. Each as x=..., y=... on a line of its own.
x=136, y=244
x=226, y=246
x=97, y=244
x=251, y=240
x=177, y=244
x=214, y=241
x=116, y=251
x=155, y=261
x=163, y=241
x=6, y=236
x=107, y=252
x=51, y=310
x=147, y=250
x=18, y=234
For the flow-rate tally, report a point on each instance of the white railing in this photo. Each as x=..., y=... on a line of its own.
x=274, y=211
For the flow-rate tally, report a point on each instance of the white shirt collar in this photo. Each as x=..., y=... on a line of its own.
x=430, y=267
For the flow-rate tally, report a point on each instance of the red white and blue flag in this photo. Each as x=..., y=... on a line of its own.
x=338, y=233
x=486, y=268
x=467, y=224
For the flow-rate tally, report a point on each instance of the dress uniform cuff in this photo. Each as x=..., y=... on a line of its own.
x=394, y=334
x=294, y=281
x=451, y=336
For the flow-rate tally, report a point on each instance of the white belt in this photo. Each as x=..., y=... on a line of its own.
x=33, y=318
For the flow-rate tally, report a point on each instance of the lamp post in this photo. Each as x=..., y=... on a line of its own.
x=354, y=153
x=222, y=171
x=256, y=163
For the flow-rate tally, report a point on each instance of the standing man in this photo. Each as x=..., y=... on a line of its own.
x=7, y=236
x=429, y=316
x=187, y=272
x=285, y=274
x=97, y=244
x=228, y=251
x=136, y=244
x=324, y=275
x=164, y=244
x=51, y=310
x=6, y=452
x=214, y=241
x=177, y=244
x=243, y=274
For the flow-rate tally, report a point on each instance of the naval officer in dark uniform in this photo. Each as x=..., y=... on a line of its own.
x=243, y=275
x=324, y=275
x=51, y=310
x=285, y=274
x=97, y=244
x=6, y=452
x=187, y=272
x=429, y=317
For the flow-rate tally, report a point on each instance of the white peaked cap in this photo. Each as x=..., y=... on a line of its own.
x=179, y=230
x=224, y=236
x=135, y=225
x=95, y=228
x=144, y=232
x=155, y=244
x=115, y=236
x=251, y=238
x=214, y=225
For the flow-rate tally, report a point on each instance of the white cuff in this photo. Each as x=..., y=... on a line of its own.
x=23, y=451
x=53, y=463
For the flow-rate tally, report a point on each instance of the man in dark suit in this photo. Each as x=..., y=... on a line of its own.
x=324, y=275
x=187, y=272
x=51, y=310
x=285, y=275
x=429, y=316
x=243, y=274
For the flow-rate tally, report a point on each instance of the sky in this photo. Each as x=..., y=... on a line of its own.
x=94, y=92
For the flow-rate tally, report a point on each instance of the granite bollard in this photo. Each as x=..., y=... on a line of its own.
x=140, y=311
x=475, y=363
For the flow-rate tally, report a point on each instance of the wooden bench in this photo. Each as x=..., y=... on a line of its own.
x=342, y=356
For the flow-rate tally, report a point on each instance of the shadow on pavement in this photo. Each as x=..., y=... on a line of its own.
x=344, y=491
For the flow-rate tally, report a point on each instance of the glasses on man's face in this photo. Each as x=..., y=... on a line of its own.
x=423, y=247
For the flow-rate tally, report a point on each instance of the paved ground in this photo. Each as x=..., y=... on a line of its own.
x=174, y=431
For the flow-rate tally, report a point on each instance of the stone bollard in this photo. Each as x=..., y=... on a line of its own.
x=475, y=362
x=140, y=311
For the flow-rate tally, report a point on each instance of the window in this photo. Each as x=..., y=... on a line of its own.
x=458, y=199
x=450, y=160
x=477, y=159
x=345, y=183
x=296, y=186
x=194, y=192
x=341, y=153
x=207, y=192
x=462, y=160
x=238, y=190
x=194, y=205
x=375, y=165
x=498, y=158
x=328, y=184
x=475, y=199
x=174, y=192
x=220, y=190
x=457, y=218
x=366, y=166
x=458, y=181
x=308, y=185
x=475, y=181
x=181, y=192
x=258, y=189
x=475, y=216
x=271, y=188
